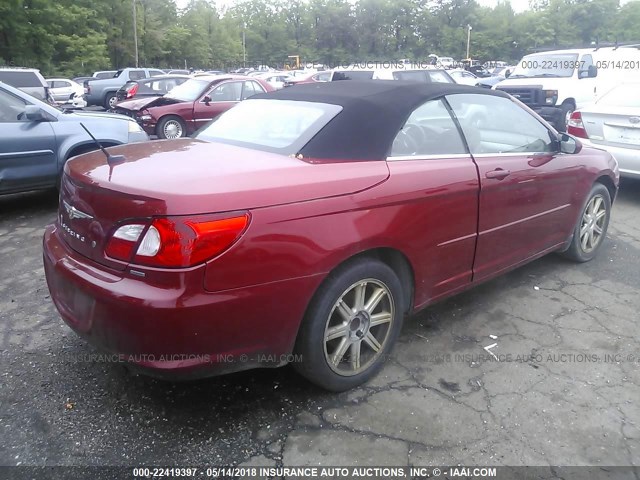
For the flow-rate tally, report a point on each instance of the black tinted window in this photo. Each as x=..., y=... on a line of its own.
x=353, y=75
x=137, y=74
x=20, y=79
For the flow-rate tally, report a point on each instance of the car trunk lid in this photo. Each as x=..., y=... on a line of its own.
x=620, y=127
x=189, y=177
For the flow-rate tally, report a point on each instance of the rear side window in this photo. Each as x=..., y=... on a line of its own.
x=440, y=77
x=137, y=74
x=353, y=75
x=429, y=130
x=20, y=79
x=250, y=89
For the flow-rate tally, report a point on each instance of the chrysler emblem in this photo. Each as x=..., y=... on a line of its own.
x=634, y=120
x=73, y=212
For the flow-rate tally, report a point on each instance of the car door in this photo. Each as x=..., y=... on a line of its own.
x=64, y=91
x=527, y=188
x=436, y=177
x=217, y=100
x=27, y=149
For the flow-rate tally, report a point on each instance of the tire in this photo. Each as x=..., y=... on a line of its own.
x=110, y=101
x=171, y=127
x=591, y=227
x=358, y=349
x=566, y=110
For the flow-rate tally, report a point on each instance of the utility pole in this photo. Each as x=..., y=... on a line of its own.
x=468, y=40
x=135, y=31
x=244, y=49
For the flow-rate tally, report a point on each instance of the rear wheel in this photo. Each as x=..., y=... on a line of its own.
x=110, y=101
x=566, y=110
x=351, y=325
x=591, y=228
x=171, y=127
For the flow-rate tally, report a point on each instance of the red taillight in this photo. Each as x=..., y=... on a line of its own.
x=575, y=126
x=174, y=242
x=132, y=90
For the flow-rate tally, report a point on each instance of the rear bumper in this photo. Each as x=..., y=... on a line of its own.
x=174, y=333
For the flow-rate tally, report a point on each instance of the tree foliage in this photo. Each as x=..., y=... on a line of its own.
x=70, y=37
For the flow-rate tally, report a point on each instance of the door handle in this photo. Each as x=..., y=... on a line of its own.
x=498, y=173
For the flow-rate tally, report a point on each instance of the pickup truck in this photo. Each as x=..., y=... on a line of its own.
x=38, y=139
x=103, y=92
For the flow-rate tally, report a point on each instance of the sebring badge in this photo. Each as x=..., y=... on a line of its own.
x=73, y=212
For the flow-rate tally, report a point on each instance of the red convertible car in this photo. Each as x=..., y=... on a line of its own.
x=311, y=221
x=191, y=105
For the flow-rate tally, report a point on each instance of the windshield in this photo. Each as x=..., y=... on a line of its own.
x=549, y=65
x=625, y=95
x=189, y=91
x=279, y=126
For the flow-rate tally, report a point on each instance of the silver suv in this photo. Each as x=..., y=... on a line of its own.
x=29, y=80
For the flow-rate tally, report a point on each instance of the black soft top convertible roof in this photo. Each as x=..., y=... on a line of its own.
x=372, y=113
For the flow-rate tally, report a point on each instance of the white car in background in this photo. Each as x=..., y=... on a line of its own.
x=276, y=79
x=446, y=62
x=430, y=75
x=463, y=77
x=66, y=92
x=613, y=124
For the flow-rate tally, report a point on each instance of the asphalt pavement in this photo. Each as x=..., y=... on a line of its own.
x=563, y=389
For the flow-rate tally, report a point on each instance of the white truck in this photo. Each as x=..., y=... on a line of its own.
x=556, y=83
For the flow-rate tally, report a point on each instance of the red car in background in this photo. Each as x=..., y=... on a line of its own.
x=191, y=105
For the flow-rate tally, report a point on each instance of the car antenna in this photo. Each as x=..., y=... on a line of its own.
x=111, y=159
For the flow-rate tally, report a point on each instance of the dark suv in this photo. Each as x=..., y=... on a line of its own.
x=37, y=139
x=29, y=80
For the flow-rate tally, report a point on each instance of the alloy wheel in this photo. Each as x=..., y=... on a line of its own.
x=592, y=225
x=358, y=327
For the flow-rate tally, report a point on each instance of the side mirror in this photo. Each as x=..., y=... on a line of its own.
x=207, y=100
x=569, y=144
x=507, y=74
x=592, y=71
x=35, y=114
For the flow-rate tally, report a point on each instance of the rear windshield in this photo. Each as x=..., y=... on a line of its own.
x=20, y=79
x=625, y=95
x=278, y=126
x=353, y=75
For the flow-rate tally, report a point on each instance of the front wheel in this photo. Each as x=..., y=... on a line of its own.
x=351, y=325
x=171, y=127
x=591, y=228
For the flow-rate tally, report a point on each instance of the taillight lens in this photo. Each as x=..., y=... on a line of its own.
x=132, y=90
x=575, y=126
x=175, y=242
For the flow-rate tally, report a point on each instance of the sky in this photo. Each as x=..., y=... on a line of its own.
x=517, y=5
x=523, y=5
